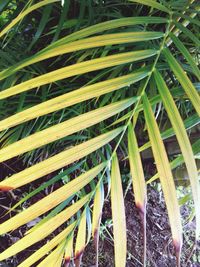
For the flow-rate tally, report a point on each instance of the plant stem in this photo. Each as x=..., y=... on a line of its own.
x=124, y=131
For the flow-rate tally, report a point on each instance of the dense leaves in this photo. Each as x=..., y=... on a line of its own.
x=86, y=85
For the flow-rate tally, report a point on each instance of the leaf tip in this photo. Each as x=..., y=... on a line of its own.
x=78, y=258
x=178, y=247
x=141, y=207
x=67, y=261
x=5, y=188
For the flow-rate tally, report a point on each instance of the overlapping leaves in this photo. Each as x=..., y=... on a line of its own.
x=139, y=67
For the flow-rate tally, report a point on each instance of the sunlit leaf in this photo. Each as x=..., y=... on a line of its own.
x=179, y=160
x=165, y=176
x=78, y=68
x=63, y=129
x=69, y=249
x=119, y=222
x=139, y=185
x=92, y=42
x=80, y=240
x=38, y=254
x=72, y=98
x=184, y=142
x=54, y=259
x=58, y=161
x=153, y=4
x=44, y=230
x=97, y=213
x=51, y=200
x=183, y=79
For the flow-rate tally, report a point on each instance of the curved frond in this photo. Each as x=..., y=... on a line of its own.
x=79, y=88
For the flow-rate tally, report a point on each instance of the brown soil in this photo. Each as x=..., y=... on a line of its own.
x=160, y=252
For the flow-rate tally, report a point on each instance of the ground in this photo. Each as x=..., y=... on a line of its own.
x=159, y=244
x=160, y=251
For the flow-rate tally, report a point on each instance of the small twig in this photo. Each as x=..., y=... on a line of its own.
x=143, y=220
x=7, y=166
x=151, y=259
x=5, y=207
x=12, y=195
x=191, y=253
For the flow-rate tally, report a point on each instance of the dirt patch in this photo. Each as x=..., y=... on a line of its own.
x=160, y=251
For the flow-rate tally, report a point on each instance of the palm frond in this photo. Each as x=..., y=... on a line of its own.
x=87, y=89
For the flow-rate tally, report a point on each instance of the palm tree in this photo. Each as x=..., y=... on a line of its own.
x=83, y=94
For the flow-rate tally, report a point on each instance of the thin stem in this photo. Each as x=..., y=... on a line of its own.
x=191, y=253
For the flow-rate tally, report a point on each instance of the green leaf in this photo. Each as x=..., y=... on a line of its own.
x=183, y=79
x=153, y=4
x=188, y=33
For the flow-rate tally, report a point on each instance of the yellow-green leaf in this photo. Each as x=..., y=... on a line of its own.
x=58, y=161
x=118, y=215
x=137, y=173
x=38, y=254
x=72, y=98
x=183, y=141
x=178, y=161
x=186, y=54
x=42, y=231
x=96, y=218
x=92, y=42
x=25, y=13
x=183, y=79
x=54, y=259
x=165, y=175
x=78, y=68
x=69, y=249
x=139, y=185
x=97, y=209
x=153, y=4
x=61, y=130
x=81, y=239
x=105, y=26
x=52, y=200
